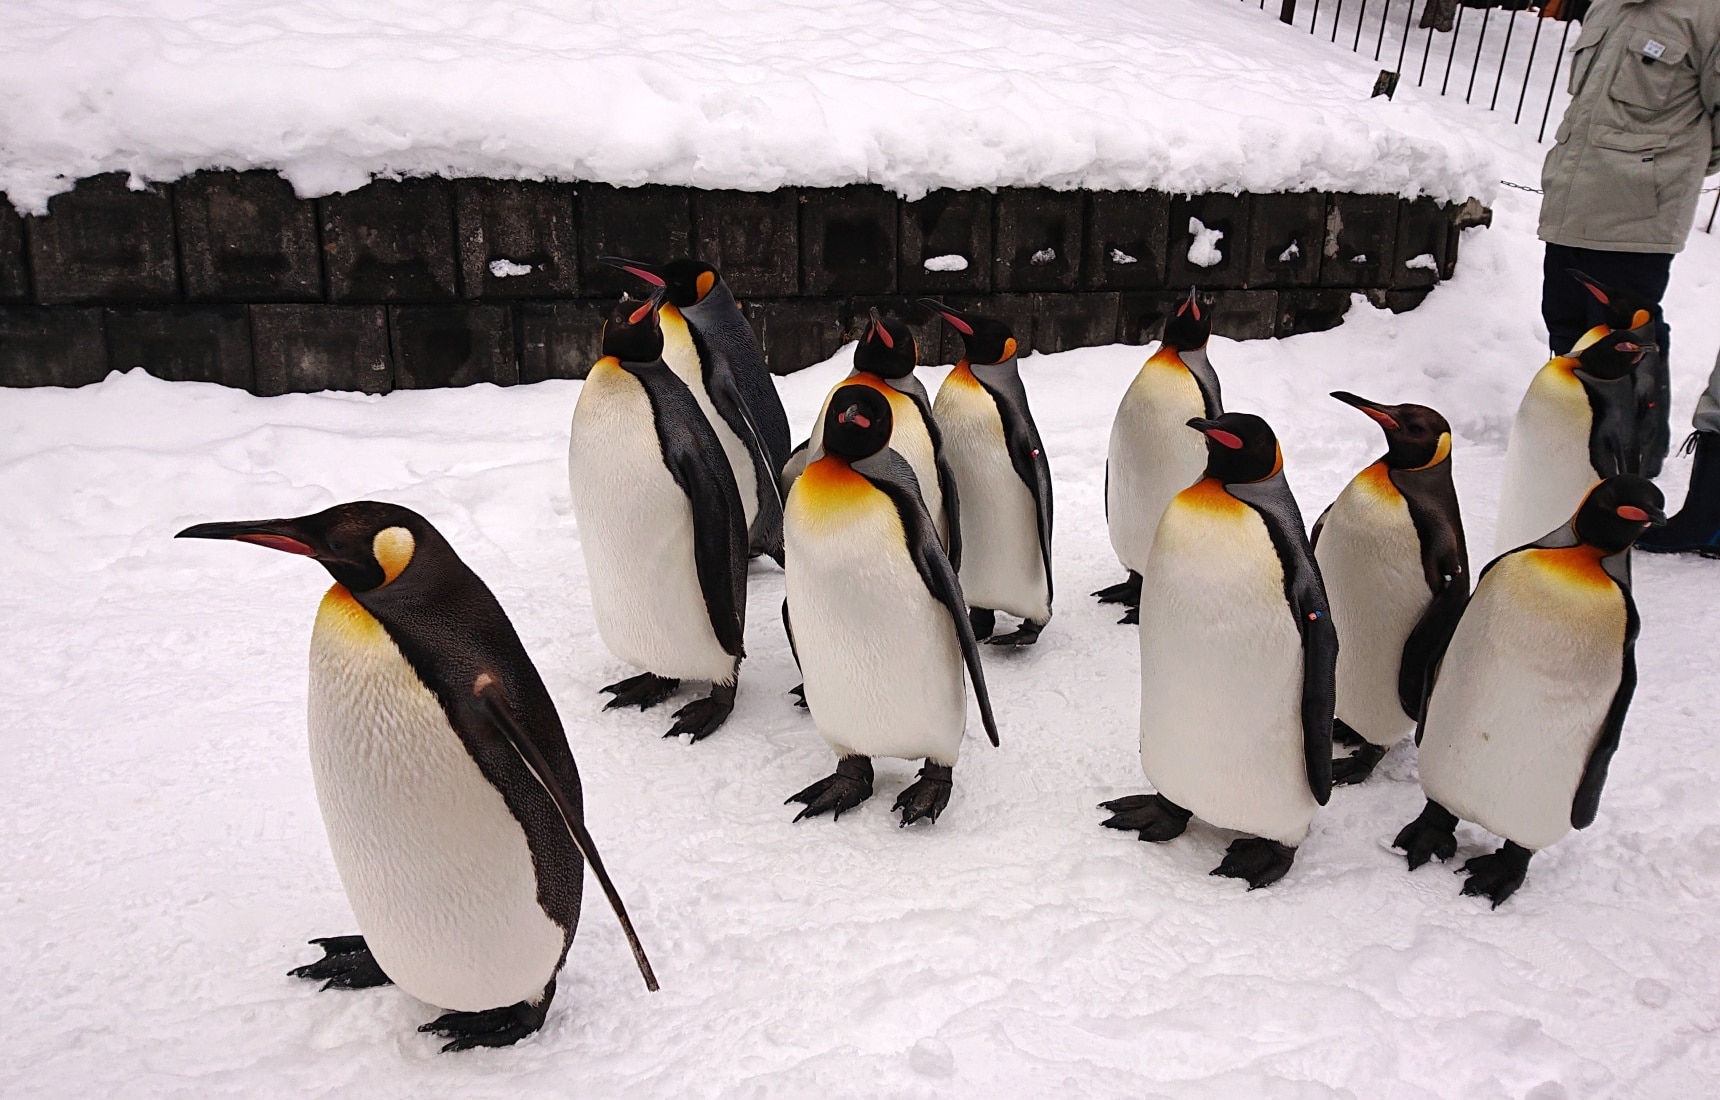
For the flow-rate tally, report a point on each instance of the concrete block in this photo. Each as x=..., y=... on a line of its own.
x=848, y=241
x=1361, y=240
x=438, y=347
x=1423, y=237
x=517, y=239
x=390, y=241
x=1128, y=234
x=946, y=227
x=1065, y=321
x=926, y=326
x=1038, y=239
x=649, y=223
x=1227, y=214
x=183, y=343
x=310, y=348
x=104, y=243
x=559, y=339
x=1014, y=310
x=245, y=237
x=796, y=332
x=51, y=347
x=1302, y=311
x=14, y=269
x=752, y=237
x=1286, y=232
x=1398, y=301
x=1245, y=314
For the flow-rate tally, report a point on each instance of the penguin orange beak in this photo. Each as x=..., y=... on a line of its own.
x=1191, y=302
x=649, y=306
x=635, y=268
x=952, y=316
x=1642, y=514
x=1212, y=431
x=1375, y=411
x=1601, y=292
x=877, y=329
x=284, y=535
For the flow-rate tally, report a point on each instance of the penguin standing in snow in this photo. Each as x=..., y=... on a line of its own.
x=1532, y=692
x=710, y=347
x=1577, y=424
x=452, y=802
x=1152, y=456
x=1003, y=477
x=660, y=524
x=1392, y=555
x=1237, y=656
x=1622, y=310
x=879, y=622
x=884, y=358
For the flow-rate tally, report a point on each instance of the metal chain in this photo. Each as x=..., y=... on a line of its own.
x=1538, y=191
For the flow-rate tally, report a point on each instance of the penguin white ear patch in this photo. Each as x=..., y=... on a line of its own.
x=393, y=547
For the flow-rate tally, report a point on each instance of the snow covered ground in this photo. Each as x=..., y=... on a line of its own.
x=751, y=94
x=164, y=859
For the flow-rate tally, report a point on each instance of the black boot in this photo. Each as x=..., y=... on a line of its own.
x=1696, y=527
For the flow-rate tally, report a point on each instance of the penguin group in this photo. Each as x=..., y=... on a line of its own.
x=904, y=525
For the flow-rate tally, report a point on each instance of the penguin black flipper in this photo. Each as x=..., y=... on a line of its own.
x=1026, y=452
x=717, y=321
x=1319, y=525
x=1613, y=444
x=916, y=391
x=732, y=407
x=1306, y=595
x=892, y=475
x=1588, y=797
x=694, y=458
x=1432, y=500
x=492, y=703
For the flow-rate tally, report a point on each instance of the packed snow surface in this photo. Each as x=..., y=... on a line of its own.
x=1183, y=95
x=164, y=860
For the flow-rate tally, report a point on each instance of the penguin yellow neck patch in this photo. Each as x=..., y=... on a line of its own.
x=962, y=375
x=1209, y=495
x=393, y=547
x=1578, y=566
x=342, y=615
x=1441, y=452
x=1377, y=480
x=830, y=485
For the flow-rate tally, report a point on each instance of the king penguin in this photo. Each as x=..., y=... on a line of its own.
x=879, y=621
x=1003, y=477
x=1576, y=425
x=1152, y=456
x=1392, y=555
x=451, y=800
x=1237, y=656
x=1532, y=691
x=709, y=345
x=884, y=358
x=660, y=524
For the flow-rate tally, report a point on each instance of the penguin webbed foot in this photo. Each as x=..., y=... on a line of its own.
x=1358, y=765
x=850, y=785
x=644, y=691
x=703, y=717
x=346, y=964
x=1131, y=617
x=1124, y=592
x=1433, y=833
x=1025, y=634
x=1256, y=860
x=983, y=620
x=1496, y=876
x=1153, y=816
x=1342, y=734
x=927, y=796
x=799, y=693
x=493, y=1027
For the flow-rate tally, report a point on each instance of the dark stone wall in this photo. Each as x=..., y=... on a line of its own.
x=229, y=277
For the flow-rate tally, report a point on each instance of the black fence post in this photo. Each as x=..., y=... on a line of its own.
x=1287, y=12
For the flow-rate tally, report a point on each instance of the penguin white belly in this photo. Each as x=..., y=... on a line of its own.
x=437, y=870
x=880, y=656
x=1221, y=671
x=1525, y=686
x=636, y=532
x=1003, y=566
x=1370, y=558
x=908, y=438
x=680, y=356
x=1153, y=456
x=1547, y=467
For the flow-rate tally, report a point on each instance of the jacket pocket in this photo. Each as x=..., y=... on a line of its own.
x=1615, y=191
x=1584, y=52
x=1648, y=82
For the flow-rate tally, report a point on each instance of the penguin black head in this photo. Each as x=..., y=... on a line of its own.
x=633, y=333
x=1614, y=355
x=858, y=423
x=985, y=340
x=1190, y=326
x=1240, y=447
x=1416, y=436
x=1617, y=511
x=365, y=545
x=1621, y=309
x=684, y=282
x=886, y=349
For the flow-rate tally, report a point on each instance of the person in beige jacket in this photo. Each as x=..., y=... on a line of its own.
x=1623, y=178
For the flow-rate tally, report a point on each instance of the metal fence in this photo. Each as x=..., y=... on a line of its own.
x=1503, y=56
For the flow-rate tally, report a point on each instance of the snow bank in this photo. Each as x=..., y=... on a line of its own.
x=1183, y=95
